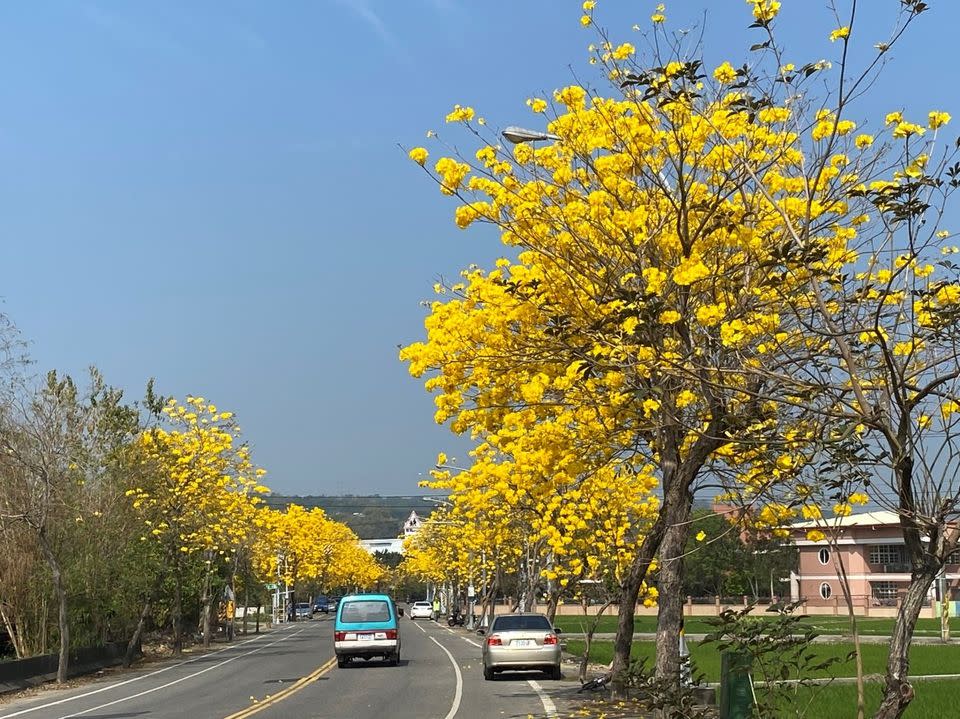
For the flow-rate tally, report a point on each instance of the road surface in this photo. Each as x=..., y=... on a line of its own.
x=291, y=672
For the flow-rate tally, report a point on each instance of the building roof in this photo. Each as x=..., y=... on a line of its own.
x=867, y=519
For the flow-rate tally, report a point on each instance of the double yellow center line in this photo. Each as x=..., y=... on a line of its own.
x=283, y=694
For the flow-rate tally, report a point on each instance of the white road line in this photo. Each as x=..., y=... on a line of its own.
x=129, y=681
x=181, y=679
x=420, y=628
x=458, y=694
x=548, y=706
x=470, y=641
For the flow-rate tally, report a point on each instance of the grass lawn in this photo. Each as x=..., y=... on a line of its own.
x=924, y=658
x=934, y=700
x=697, y=625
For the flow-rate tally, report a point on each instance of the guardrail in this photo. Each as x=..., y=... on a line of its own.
x=24, y=673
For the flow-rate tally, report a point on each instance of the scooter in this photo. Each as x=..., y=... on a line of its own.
x=456, y=618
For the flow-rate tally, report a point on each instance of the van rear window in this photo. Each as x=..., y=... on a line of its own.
x=365, y=611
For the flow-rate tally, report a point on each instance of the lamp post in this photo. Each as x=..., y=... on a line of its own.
x=516, y=135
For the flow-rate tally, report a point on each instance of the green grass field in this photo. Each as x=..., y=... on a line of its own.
x=934, y=700
x=925, y=659
x=838, y=625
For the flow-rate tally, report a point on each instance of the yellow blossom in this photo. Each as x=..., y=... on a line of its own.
x=725, y=73
x=840, y=33
x=936, y=119
x=537, y=104
x=460, y=114
x=418, y=155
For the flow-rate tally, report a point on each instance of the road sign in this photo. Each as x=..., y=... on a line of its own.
x=271, y=586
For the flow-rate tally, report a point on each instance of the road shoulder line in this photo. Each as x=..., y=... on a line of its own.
x=117, y=685
x=548, y=706
x=458, y=693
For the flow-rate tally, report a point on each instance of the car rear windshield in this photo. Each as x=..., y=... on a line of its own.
x=303, y=605
x=521, y=623
x=365, y=611
x=422, y=604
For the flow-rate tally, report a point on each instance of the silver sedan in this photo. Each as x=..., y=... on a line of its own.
x=521, y=641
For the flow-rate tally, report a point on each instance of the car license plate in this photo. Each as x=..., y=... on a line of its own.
x=522, y=642
x=365, y=637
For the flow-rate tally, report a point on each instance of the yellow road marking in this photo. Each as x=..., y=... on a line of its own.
x=283, y=694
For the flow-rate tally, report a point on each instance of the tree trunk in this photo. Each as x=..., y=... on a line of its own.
x=629, y=591
x=207, y=609
x=246, y=602
x=670, y=599
x=590, y=630
x=177, y=613
x=256, y=629
x=62, y=622
x=15, y=638
x=137, y=633
x=897, y=691
x=552, y=602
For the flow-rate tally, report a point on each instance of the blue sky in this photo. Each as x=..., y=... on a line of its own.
x=212, y=193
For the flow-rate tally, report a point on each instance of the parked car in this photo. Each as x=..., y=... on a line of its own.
x=521, y=641
x=303, y=610
x=366, y=626
x=421, y=610
x=321, y=604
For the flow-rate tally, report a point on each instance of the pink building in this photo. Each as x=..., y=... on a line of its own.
x=872, y=550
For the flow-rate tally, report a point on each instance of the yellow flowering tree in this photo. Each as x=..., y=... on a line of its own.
x=197, y=495
x=669, y=248
x=298, y=545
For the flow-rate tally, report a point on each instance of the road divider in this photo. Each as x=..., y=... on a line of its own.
x=273, y=699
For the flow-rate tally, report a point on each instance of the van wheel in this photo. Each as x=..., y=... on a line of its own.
x=342, y=662
x=394, y=660
x=488, y=674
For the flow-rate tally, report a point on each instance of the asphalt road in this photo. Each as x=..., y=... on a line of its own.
x=291, y=673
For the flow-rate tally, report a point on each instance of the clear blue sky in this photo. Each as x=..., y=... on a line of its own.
x=211, y=193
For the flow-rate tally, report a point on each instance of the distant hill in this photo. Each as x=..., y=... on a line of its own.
x=371, y=517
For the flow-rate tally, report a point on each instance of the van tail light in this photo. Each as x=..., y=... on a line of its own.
x=494, y=640
x=391, y=634
x=339, y=636
x=550, y=639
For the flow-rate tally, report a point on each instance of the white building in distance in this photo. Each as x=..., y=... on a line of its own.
x=395, y=544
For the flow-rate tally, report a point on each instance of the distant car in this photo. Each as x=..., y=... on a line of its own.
x=303, y=610
x=521, y=641
x=321, y=604
x=421, y=610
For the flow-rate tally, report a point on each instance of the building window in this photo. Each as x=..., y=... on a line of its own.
x=884, y=590
x=954, y=557
x=887, y=554
x=825, y=591
x=824, y=555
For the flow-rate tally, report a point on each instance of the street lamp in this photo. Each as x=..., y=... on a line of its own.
x=516, y=135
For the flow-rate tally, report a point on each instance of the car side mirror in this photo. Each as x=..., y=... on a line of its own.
x=481, y=631
x=557, y=630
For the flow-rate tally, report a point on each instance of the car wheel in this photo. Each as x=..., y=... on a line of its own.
x=342, y=662
x=555, y=673
x=488, y=673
